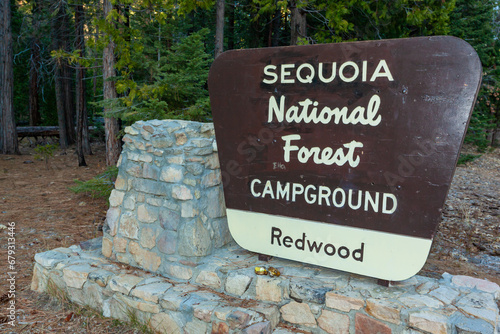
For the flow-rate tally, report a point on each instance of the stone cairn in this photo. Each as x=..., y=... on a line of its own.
x=168, y=204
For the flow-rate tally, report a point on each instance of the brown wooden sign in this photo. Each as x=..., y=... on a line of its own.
x=341, y=155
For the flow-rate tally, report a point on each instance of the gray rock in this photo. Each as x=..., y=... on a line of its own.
x=237, y=284
x=150, y=172
x=151, y=187
x=169, y=219
x=91, y=244
x=162, y=141
x=214, y=203
x=194, y=168
x=222, y=236
x=172, y=174
x=309, y=290
x=465, y=325
x=50, y=259
x=101, y=277
x=167, y=242
x=194, y=239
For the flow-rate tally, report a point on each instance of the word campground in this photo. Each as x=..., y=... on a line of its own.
x=385, y=203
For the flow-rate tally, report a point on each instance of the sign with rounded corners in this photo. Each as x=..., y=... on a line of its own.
x=341, y=155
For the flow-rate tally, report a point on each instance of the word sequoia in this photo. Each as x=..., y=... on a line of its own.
x=307, y=73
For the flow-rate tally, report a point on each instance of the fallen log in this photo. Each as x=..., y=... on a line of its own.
x=37, y=131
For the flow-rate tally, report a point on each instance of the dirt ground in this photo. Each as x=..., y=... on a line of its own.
x=48, y=215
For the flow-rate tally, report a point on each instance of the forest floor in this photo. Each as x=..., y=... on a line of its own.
x=48, y=215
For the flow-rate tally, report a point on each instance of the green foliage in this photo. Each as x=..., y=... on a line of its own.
x=482, y=119
x=465, y=158
x=44, y=152
x=351, y=20
x=176, y=88
x=98, y=187
x=476, y=22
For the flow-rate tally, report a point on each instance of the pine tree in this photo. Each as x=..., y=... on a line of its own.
x=476, y=22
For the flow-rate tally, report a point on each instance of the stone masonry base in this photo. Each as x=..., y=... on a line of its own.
x=222, y=294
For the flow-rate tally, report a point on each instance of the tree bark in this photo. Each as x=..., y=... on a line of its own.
x=68, y=89
x=59, y=35
x=230, y=37
x=219, y=28
x=8, y=133
x=111, y=127
x=81, y=111
x=34, y=105
x=276, y=27
x=69, y=103
x=61, y=114
x=297, y=23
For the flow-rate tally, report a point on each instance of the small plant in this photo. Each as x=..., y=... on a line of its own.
x=57, y=294
x=85, y=316
x=98, y=187
x=465, y=158
x=135, y=321
x=45, y=152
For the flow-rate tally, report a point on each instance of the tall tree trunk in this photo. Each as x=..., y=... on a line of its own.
x=297, y=23
x=8, y=133
x=61, y=114
x=230, y=28
x=276, y=25
x=219, y=28
x=81, y=110
x=34, y=106
x=68, y=89
x=59, y=35
x=95, y=71
x=69, y=104
x=111, y=127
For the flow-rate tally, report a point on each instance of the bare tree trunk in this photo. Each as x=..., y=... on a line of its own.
x=59, y=34
x=297, y=23
x=68, y=89
x=276, y=27
x=69, y=104
x=111, y=127
x=219, y=28
x=81, y=111
x=230, y=37
x=34, y=106
x=8, y=133
x=81, y=88
x=95, y=71
x=61, y=115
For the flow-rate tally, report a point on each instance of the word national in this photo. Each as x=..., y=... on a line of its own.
x=359, y=115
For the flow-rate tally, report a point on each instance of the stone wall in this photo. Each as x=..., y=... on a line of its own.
x=223, y=295
x=167, y=207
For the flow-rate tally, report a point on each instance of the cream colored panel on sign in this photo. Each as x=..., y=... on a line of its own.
x=383, y=255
